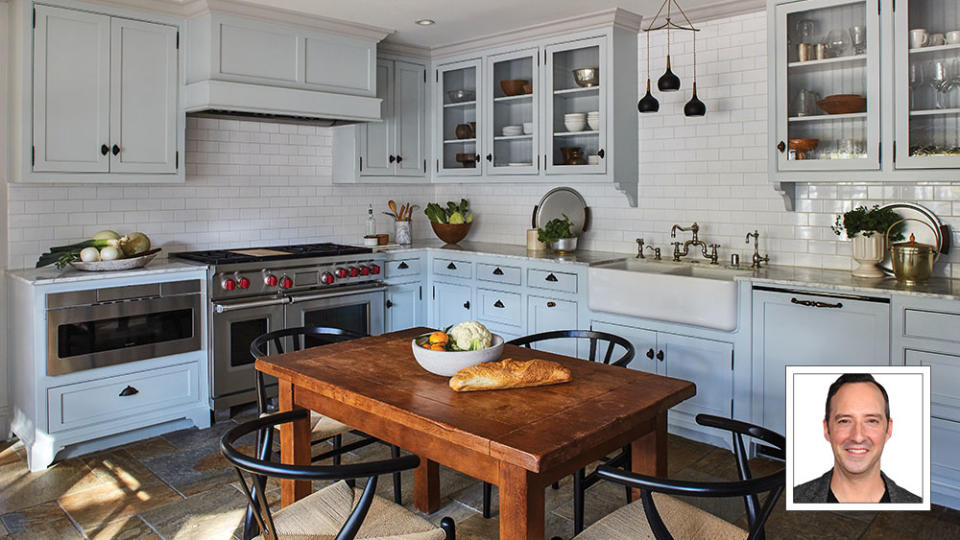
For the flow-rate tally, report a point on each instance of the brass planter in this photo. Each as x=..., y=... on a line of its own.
x=912, y=261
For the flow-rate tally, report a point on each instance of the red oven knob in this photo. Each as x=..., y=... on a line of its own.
x=374, y=269
x=286, y=283
x=244, y=283
x=354, y=272
x=341, y=273
x=327, y=278
x=271, y=280
x=364, y=270
x=229, y=284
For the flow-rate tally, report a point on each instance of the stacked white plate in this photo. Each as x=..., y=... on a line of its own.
x=593, y=120
x=512, y=131
x=575, y=121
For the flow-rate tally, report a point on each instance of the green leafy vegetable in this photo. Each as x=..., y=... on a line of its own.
x=555, y=229
x=453, y=213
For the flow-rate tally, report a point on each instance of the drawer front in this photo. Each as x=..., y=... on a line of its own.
x=99, y=401
x=931, y=324
x=448, y=267
x=405, y=267
x=944, y=381
x=508, y=275
x=499, y=306
x=557, y=281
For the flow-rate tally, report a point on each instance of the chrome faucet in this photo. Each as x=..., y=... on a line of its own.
x=756, y=260
x=713, y=256
x=640, y=249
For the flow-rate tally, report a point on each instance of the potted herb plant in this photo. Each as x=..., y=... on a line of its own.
x=558, y=235
x=867, y=229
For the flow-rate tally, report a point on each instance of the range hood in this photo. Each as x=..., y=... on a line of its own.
x=246, y=61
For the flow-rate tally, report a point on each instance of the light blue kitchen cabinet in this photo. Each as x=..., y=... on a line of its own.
x=452, y=304
x=795, y=328
x=403, y=306
x=644, y=342
x=546, y=314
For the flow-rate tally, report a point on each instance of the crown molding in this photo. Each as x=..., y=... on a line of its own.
x=617, y=17
x=727, y=8
x=403, y=49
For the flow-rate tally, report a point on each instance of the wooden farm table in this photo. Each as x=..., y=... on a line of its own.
x=521, y=440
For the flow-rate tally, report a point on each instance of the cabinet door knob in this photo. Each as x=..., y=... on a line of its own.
x=104, y=149
x=650, y=354
x=128, y=391
x=392, y=158
x=489, y=157
x=399, y=158
x=600, y=153
x=478, y=158
x=466, y=305
x=498, y=304
x=388, y=304
x=551, y=277
x=497, y=271
x=660, y=356
x=551, y=304
x=781, y=147
x=116, y=149
x=451, y=266
x=403, y=265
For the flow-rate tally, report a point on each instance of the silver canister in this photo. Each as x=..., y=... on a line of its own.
x=804, y=51
x=820, y=50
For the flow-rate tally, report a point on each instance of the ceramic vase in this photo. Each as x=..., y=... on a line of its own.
x=401, y=233
x=867, y=252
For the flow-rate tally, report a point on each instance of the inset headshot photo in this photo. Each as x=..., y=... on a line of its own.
x=858, y=438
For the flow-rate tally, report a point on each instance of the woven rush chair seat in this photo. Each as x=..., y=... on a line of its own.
x=323, y=427
x=321, y=515
x=682, y=519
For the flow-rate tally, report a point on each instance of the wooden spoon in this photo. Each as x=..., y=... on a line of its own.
x=403, y=211
x=393, y=207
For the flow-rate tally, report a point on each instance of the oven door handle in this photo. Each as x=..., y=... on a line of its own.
x=333, y=294
x=223, y=308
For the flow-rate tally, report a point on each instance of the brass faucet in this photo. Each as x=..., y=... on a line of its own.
x=756, y=260
x=713, y=256
x=640, y=248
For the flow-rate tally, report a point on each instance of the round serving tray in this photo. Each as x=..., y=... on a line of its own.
x=119, y=264
x=924, y=235
x=559, y=202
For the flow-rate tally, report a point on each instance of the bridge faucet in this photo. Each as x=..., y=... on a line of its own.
x=713, y=256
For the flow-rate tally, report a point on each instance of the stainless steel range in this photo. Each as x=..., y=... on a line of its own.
x=258, y=290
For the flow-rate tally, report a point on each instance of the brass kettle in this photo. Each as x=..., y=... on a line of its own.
x=912, y=261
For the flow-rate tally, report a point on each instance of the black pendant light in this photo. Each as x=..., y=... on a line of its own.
x=694, y=107
x=648, y=104
x=668, y=81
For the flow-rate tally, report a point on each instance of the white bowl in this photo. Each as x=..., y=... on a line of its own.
x=510, y=131
x=447, y=363
x=594, y=123
x=527, y=128
x=579, y=115
x=574, y=125
x=593, y=159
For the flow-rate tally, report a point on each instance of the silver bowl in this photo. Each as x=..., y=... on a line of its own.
x=458, y=96
x=564, y=245
x=587, y=76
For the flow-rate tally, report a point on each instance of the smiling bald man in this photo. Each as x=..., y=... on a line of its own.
x=857, y=425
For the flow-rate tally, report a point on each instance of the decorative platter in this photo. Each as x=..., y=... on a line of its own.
x=116, y=265
x=559, y=202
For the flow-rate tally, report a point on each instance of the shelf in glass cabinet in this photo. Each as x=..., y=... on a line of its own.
x=935, y=112
x=925, y=50
x=574, y=92
x=826, y=117
x=827, y=63
x=512, y=137
x=459, y=141
x=521, y=97
x=459, y=104
x=574, y=133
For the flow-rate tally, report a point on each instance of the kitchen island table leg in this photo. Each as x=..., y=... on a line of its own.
x=521, y=504
x=294, y=447
x=426, y=486
x=648, y=454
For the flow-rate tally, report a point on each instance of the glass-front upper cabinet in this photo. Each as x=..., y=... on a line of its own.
x=927, y=56
x=459, y=130
x=512, y=143
x=576, y=108
x=828, y=85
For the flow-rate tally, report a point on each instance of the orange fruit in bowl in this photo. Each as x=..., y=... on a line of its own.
x=438, y=347
x=425, y=345
x=438, y=338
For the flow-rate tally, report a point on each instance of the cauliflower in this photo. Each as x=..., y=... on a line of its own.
x=470, y=336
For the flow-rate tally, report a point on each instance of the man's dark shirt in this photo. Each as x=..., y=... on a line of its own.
x=818, y=491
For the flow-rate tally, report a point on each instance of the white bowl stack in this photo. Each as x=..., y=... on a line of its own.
x=593, y=120
x=512, y=131
x=527, y=128
x=575, y=121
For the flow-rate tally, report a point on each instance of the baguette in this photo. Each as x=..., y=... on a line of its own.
x=509, y=373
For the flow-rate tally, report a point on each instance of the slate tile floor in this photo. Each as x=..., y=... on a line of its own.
x=178, y=486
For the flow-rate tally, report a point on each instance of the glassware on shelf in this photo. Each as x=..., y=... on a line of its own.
x=807, y=103
x=950, y=89
x=916, y=85
x=836, y=43
x=936, y=78
x=805, y=30
x=858, y=37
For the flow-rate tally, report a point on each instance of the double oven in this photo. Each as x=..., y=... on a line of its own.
x=256, y=291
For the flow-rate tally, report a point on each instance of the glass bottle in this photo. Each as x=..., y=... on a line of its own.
x=371, y=227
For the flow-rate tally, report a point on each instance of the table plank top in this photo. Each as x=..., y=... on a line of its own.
x=533, y=428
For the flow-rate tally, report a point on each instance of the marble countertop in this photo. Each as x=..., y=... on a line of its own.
x=49, y=275
x=842, y=281
x=514, y=252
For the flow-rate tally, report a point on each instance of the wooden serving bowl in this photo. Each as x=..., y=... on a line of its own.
x=513, y=87
x=467, y=159
x=802, y=146
x=843, y=104
x=451, y=233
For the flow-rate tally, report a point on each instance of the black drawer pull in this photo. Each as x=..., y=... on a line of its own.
x=451, y=266
x=388, y=304
x=403, y=266
x=660, y=356
x=551, y=277
x=781, y=147
x=497, y=271
x=392, y=159
x=116, y=149
x=466, y=304
x=650, y=354
x=811, y=303
x=128, y=391
x=551, y=304
x=104, y=149
x=498, y=304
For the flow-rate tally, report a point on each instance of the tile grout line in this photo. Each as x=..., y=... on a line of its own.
x=150, y=526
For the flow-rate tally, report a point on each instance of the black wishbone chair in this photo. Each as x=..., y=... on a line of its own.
x=687, y=521
x=337, y=510
x=581, y=480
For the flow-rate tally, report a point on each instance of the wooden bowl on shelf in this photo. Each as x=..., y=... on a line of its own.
x=467, y=159
x=513, y=87
x=527, y=88
x=802, y=146
x=451, y=233
x=843, y=104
